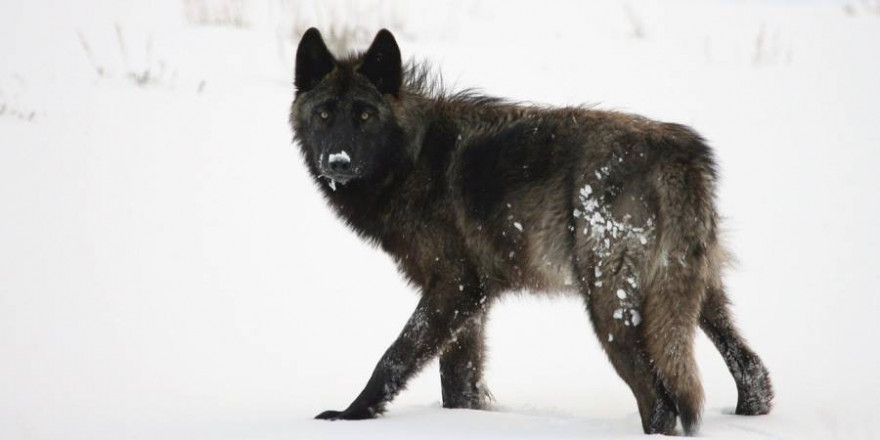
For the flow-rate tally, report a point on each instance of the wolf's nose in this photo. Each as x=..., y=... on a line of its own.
x=339, y=162
x=340, y=166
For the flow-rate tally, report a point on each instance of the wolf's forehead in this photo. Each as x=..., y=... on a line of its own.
x=338, y=95
x=344, y=84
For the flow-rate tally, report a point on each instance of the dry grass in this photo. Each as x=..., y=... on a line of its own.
x=11, y=107
x=862, y=7
x=343, y=26
x=231, y=13
x=149, y=71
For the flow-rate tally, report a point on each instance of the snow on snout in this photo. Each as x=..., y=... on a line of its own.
x=341, y=156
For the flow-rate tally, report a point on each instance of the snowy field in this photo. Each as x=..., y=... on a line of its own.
x=168, y=270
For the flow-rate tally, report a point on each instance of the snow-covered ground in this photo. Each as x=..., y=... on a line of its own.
x=168, y=271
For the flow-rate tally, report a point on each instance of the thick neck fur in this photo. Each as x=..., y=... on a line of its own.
x=411, y=184
x=418, y=180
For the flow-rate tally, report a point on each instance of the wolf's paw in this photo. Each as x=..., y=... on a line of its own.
x=754, y=405
x=468, y=400
x=661, y=420
x=328, y=415
x=348, y=414
x=756, y=394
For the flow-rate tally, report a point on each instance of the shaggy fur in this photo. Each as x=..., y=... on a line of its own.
x=473, y=196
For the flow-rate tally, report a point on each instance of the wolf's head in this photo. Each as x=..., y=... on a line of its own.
x=342, y=114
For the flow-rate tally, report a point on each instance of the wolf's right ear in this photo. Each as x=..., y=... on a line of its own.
x=313, y=61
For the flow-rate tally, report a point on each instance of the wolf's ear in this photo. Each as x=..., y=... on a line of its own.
x=313, y=61
x=382, y=65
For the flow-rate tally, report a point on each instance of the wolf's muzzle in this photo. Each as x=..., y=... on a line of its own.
x=339, y=167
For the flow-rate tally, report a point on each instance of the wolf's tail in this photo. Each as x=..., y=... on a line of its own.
x=685, y=260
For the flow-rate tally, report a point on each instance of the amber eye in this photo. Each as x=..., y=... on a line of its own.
x=324, y=115
x=365, y=116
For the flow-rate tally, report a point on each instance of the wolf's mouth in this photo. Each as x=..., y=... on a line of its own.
x=333, y=180
x=342, y=180
x=337, y=168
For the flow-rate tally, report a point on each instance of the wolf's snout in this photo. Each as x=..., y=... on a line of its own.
x=339, y=163
x=339, y=167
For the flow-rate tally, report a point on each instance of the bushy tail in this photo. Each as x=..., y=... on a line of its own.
x=685, y=260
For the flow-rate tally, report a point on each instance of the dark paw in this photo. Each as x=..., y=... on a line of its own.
x=661, y=420
x=756, y=394
x=328, y=415
x=477, y=400
x=349, y=414
x=466, y=404
x=754, y=405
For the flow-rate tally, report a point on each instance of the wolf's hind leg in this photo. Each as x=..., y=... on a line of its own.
x=755, y=392
x=461, y=369
x=671, y=314
x=614, y=311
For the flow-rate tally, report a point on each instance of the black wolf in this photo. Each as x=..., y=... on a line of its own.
x=473, y=196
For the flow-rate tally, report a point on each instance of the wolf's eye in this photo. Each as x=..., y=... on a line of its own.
x=324, y=115
x=365, y=116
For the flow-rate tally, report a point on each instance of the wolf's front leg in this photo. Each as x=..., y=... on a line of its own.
x=461, y=369
x=439, y=317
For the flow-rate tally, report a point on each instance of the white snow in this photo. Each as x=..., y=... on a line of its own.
x=342, y=156
x=164, y=255
x=518, y=226
x=621, y=293
x=586, y=191
x=635, y=317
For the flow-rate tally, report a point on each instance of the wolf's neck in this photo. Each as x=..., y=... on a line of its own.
x=366, y=204
x=407, y=196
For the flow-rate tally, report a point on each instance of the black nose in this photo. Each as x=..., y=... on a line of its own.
x=339, y=166
x=339, y=163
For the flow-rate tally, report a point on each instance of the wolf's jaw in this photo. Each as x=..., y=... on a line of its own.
x=331, y=182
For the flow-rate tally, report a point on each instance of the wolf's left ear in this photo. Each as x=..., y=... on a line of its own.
x=313, y=61
x=382, y=65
